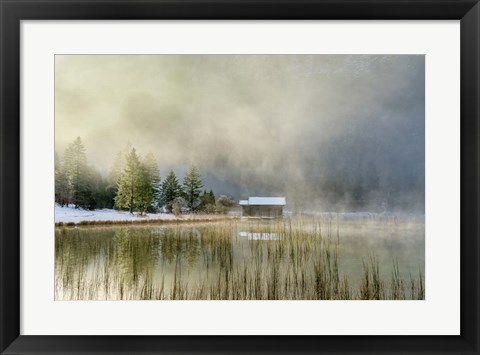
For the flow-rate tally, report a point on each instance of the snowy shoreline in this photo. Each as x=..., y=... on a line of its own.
x=70, y=216
x=75, y=216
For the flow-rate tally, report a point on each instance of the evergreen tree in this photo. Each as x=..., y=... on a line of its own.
x=207, y=201
x=62, y=190
x=192, y=184
x=145, y=194
x=128, y=183
x=211, y=197
x=76, y=170
x=203, y=200
x=116, y=171
x=171, y=189
x=154, y=175
x=56, y=161
x=101, y=195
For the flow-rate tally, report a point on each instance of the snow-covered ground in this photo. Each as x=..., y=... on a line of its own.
x=71, y=214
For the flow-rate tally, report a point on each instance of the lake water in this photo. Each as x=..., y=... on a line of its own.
x=307, y=258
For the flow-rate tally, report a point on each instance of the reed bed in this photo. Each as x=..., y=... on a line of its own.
x=293, y=259
x=146, y=220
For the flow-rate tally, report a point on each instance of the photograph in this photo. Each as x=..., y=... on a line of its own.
x=239, y=177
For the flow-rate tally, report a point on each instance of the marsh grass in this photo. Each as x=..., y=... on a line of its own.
x=184, y=220
x=211, y=261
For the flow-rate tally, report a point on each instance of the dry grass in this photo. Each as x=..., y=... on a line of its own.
x=212, y=262
x=173, y=221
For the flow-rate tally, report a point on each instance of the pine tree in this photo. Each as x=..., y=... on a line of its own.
x=207, y=201
x=56, y=161
x=61, y=183
x=102, y=196
x=192, y=184
x=154, y=175
x=171, y=189
x=128, y=183
x=145, y=193
x=76, y=170
x=116, y=171
x=212, y=197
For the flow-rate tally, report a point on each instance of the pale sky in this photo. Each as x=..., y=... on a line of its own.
x=287, y=125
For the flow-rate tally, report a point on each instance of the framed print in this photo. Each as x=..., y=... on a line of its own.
x=239, y=177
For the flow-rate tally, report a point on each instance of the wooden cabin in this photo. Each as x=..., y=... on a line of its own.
x=263, y=207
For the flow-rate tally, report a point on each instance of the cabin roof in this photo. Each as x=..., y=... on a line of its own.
x=263, y=201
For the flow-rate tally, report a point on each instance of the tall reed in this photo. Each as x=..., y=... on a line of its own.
x=291, y=259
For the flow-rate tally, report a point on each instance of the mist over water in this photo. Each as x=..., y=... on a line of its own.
x=329, y=132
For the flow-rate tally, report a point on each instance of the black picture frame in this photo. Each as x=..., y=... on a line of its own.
x=12, y=12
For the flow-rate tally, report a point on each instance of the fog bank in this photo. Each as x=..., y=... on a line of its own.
x=336, y=132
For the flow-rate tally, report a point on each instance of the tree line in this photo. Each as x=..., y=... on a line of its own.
x=133, y=184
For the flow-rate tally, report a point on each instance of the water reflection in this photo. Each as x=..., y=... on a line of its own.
x=233, y=260
x=260, y=236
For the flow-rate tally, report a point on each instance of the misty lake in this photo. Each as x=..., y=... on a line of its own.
x=291, y=259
